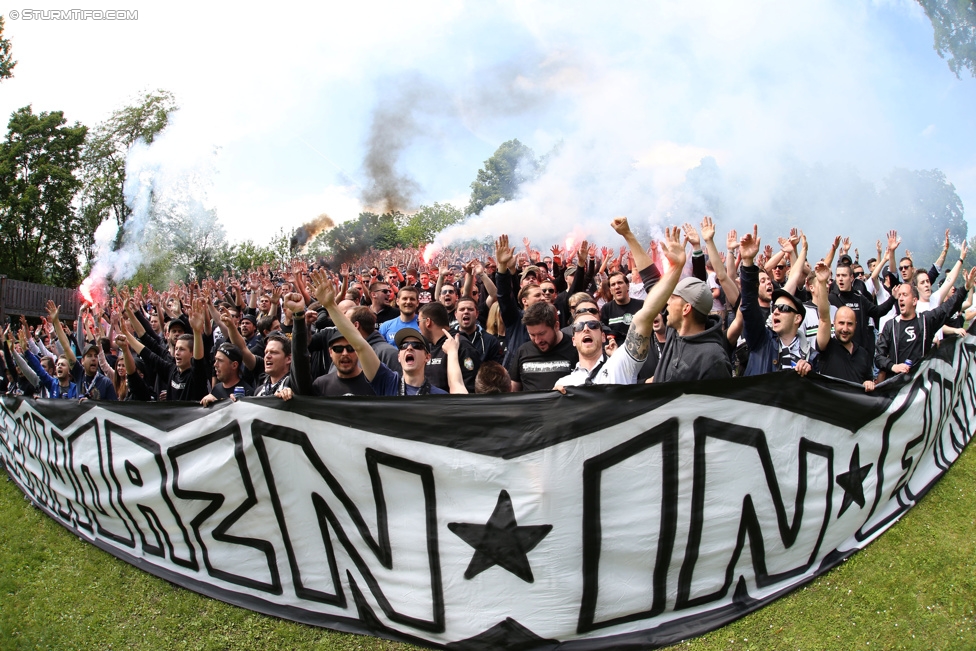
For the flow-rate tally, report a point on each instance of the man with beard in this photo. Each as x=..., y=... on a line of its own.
x=252, y=338
x=380, y=293
x=90, y=380
x=413, y=350
x=618, y=313
x=448, y=298
x=907, y=338
x=484, y=343
x=861, y=304
x=425, y=291
x=547, y=356
x=348, y=379
x=840, y=356
x=407, y=301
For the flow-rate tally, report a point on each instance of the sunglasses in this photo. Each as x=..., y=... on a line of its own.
x=587, y=325
x=780, y=266
x=904, y=268
x=447, y=291
x=338, y=349
x=586, y=310
x=782, y=307
x=416, y=345
x=548, y=290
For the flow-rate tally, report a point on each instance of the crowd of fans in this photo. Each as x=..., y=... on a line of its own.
x=483, y=321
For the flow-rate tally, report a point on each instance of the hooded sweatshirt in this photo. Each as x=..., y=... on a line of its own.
x=702, y=356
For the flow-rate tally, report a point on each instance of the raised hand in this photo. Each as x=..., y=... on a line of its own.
x=749, y=245
x=52, y=311
x=620, y=225
x=823, y=272
x=294, y=303
x=322, y=288
x=732, y=240
x=785, y=245
x=503, y=252
x=692, y=236
x=556, y=251
x=845, y=245
x=673, y=248
x=893, y=240
x=707, y=229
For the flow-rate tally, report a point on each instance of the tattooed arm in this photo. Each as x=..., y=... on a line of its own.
x=638, y=341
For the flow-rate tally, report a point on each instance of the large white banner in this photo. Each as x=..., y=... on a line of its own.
x=613, y=517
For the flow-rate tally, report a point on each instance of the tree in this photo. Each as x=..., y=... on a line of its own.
x=352, y=238
x=954, y=24
x=6, y=60
x=38, y=224
x=510, y=166
x=921, y=205
x=103, y=170
x=426, y=223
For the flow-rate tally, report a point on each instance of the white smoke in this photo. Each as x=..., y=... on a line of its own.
x=166, y=189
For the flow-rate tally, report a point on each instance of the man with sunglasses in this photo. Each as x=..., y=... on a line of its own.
x=380, y=294
x=778, y=347
x=348, y=379
x=413, y=349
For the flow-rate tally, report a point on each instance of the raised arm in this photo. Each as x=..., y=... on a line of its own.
x=52, y=316
x=823, y=305
x=721, y=273
x=657, y=298
x=324, y=292
x=455, y=379
x=641, y=259
x=797, y=270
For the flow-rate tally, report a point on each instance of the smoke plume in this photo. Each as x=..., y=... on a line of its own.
x=304, y=233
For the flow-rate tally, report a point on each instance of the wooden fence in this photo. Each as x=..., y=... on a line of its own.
x=18, y=297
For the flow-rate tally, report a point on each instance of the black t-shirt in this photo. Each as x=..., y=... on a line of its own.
x=909, y=335
x=856, y=366
x=618, y=317
x=221, y=392
x=468, y=359
x=332, y=385
x=386, y=314
x=539, y=372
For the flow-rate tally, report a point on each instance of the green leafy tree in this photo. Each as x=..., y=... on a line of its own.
x=6, y=59
x=103, y=170
x=426, y=223
x=954, y=23
x=921, y=205
x=510, y=166
x=38, y=225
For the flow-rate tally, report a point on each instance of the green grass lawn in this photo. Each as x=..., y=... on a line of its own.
x=914, y=588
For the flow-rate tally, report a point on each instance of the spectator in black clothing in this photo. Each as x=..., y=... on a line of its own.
x=380, y=294
x=618, y=313
x=511, y=309
x=862, y=305
x=348, y=378
x=434, y=327
x=187, y=374
x=485, y=344
x=227, y=368
x=252, y=338
x=547, y=356
x=907, y=338
x=840, y=356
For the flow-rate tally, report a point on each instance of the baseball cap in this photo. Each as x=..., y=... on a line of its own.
x=531, y=269
x=797, y=303
x=405, y=333
x=696, y=293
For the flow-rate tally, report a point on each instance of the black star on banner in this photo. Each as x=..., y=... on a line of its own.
x=852, y=481
x=501, y=541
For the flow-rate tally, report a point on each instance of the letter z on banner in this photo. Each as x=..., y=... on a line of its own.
x=613, y=517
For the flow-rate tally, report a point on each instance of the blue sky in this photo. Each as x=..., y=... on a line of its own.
x=637, y=93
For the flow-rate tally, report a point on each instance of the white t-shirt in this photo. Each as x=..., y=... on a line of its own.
x=621, y=368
